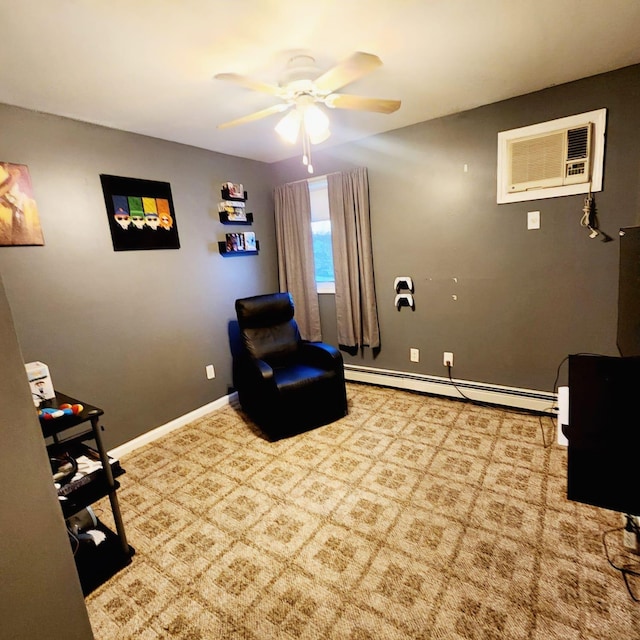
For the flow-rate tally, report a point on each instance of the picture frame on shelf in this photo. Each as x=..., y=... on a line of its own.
x=233, y=191
x=239, y=244
x=234, y=242
x=250, y=241
x=233, y=211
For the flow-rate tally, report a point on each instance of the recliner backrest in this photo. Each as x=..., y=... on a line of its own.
x=267, y=327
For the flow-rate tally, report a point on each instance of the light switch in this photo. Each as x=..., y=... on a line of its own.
x=533, y=219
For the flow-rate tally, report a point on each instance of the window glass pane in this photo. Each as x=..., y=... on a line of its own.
x=321, y=235
x=322, y=252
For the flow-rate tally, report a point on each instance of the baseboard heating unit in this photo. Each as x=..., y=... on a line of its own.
x=482, y=392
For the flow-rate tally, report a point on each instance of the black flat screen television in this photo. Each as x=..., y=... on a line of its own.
x=604, y=432
x=628, y=337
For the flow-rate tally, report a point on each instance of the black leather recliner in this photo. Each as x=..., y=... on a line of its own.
x=285, y=384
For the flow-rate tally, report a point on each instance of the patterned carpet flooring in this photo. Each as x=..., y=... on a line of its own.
x=412, y=518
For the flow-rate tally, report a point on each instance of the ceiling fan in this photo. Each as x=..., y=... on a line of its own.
x=302, y=87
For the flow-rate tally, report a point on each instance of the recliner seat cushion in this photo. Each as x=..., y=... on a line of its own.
x=297, y=376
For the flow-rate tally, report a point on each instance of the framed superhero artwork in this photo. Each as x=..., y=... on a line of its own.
x=140, y=213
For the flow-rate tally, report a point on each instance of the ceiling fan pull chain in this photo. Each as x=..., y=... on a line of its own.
x=306, y=150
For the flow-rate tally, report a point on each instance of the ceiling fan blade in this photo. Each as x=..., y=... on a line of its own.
x=249, y=83
x=258, y=115
x=360, y=103
x=355, y=66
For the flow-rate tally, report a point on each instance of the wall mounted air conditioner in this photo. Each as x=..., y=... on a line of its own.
x=550, y=159
x=561, y=157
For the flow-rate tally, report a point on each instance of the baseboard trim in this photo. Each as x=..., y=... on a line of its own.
x=492, y=394
x=163, y=430
x=482, y=392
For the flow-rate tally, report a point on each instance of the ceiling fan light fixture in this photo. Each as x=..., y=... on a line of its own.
x=309, y=120
x=316, y=123
x=320, y=137
x=289, y=126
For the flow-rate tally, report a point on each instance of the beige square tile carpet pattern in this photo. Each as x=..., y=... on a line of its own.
x=413, y=517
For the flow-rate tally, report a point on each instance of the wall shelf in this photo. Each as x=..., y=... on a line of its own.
x=226, y=196
x=222, y=246
x=224, y=218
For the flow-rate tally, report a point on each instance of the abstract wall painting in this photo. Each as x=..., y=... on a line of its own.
x=19, y=218
x=141, y=214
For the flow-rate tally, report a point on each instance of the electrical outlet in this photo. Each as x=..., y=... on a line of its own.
x=447, y=359
x=414, y=355
x=211, y=373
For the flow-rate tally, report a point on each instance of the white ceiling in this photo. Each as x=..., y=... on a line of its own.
x=147, y=66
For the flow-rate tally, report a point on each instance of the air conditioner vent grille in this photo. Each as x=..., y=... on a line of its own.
x=537, y=158
x=578, y=143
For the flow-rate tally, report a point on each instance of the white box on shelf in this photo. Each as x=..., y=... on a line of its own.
x=39, y=381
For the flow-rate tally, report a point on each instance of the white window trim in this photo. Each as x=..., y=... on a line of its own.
x=326, y=287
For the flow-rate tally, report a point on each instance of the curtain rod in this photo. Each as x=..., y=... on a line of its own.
x=315, y=179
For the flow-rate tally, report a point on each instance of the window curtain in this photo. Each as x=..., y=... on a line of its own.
x=295, y=255
x=356, y=307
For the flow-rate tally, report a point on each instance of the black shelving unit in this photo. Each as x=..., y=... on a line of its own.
x=96, y=563
x=223, y=247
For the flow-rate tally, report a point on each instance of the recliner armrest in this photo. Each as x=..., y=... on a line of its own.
x=266, y=371
x=256, y=368
x=321, y=354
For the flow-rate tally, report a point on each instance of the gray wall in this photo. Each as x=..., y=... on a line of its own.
x=129, y=331
x=525, y=299
x=39, y=590
x=133, y=331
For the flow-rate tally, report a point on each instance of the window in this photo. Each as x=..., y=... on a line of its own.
x=321, y=235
